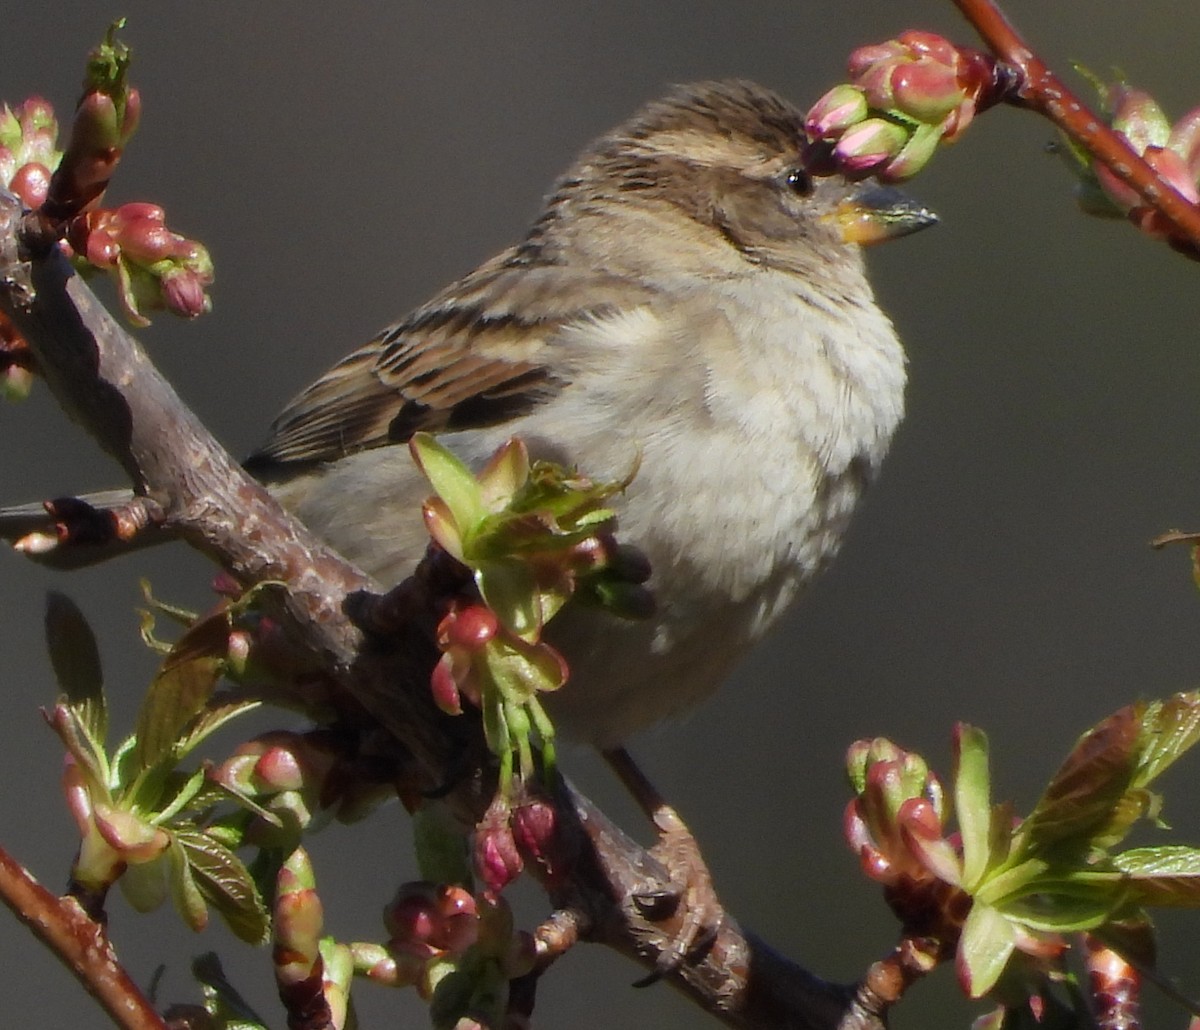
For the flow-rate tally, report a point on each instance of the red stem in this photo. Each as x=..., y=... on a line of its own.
x=79, y=943
x=1045, y=92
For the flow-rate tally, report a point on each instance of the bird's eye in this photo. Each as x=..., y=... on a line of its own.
x=799, y=182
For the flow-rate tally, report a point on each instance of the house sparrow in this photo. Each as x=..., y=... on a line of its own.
x=689, y=295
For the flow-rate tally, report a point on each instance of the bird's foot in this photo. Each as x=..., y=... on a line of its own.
x=687, y=909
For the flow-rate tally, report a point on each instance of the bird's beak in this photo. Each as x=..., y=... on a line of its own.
x=874, y=214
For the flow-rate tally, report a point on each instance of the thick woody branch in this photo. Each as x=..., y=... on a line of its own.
x=194, y=490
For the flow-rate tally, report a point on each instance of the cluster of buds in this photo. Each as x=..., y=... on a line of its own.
x=896, y=825
x=28, y=155
x=1173, y=151
x=511, y=833
x=284, y=773
x=440, y=936
x=533, y=535
x=937, y=885
x=426, y=921
x=112, y=839
x=296, y=779
x=904, y=97
x=154, y=267
x=477, y=652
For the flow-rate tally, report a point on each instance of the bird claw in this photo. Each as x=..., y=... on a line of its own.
x=695, y=912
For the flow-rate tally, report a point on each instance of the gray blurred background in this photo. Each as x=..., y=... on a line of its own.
x=342, y=161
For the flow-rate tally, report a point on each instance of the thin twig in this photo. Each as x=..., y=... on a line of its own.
x=1043, y=91
x=79, y=944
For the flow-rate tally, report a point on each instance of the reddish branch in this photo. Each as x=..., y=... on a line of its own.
x=79, y=943
x=1042, y=91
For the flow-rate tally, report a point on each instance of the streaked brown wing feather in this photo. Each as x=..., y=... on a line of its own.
x=474, y=356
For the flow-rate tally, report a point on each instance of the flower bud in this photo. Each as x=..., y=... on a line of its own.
x=869, y=145
x=843, y=106
x=927, y=90
x=31, y=183
x=497, y=860
x=469, y=627
x=134, y=839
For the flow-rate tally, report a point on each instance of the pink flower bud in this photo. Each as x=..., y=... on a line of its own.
x=868, y=145
x=134, y=839
x=929, y=44
x=534, y=825
x=469, y=627
x=183, y=293
x=840, y=108
x=926, y=90
x=497, y=861
x=279, y=769
x=31, y=183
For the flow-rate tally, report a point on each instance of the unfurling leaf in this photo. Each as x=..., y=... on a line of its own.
x=1168, y=875
x=180, y=690
x=217, y=875
x=1169, y=728
x=988, y=940
x=1089, y=785
x=972, y=801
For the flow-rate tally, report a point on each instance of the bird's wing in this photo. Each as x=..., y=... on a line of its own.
x=476, y=355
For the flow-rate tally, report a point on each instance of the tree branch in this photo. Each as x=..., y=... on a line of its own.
x=104, y=381
x=79, y=943
x=1043, y=91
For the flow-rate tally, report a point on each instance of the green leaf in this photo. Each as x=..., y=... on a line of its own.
x=520, y=670
x=1071, y=909
x=1169, y=728
x=1165, y=876
x=505, y=473
x=209, y=721
x=987, y=943
x=184, y=683
x=451, y=480
x=189, y=788
x=509, y=588
x=972, y=801
x=68, y=725
x=223, y=879
x=1088, y=787
x=185, y=892
x=76, y=661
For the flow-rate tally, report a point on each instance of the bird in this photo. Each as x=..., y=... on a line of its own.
x=690, y=299
x=690, y=296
